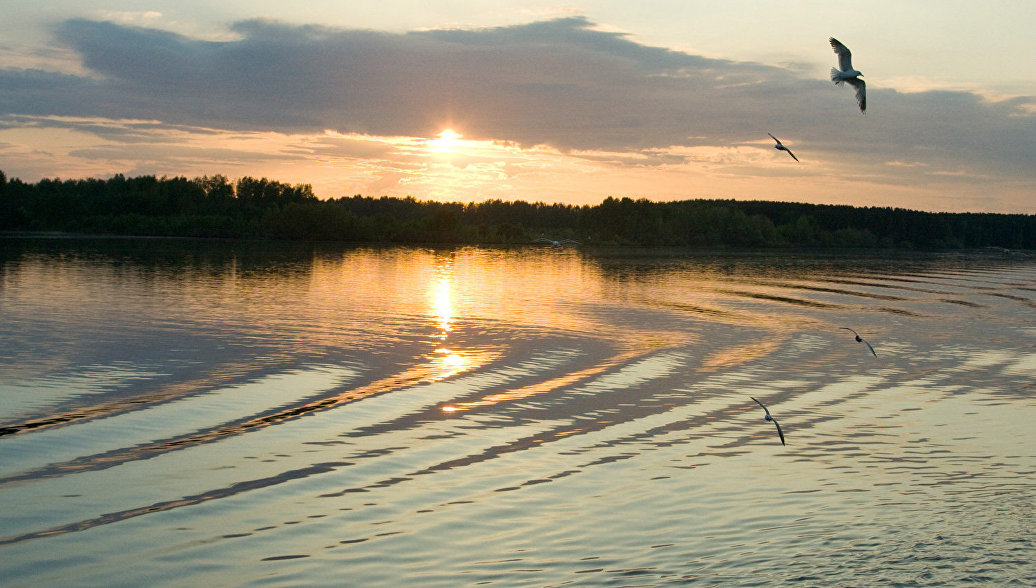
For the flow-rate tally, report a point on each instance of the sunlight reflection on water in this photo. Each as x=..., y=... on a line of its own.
x=194, y=413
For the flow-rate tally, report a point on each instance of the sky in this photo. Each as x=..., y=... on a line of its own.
x=465, y=100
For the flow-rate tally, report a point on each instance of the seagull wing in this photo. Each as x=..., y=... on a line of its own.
x=861, y=92
x=774, y=138
x=764, y=407
x=791, y=154
x=851, y=331
x=779, y=431
x=845, y=58
x=869, y=347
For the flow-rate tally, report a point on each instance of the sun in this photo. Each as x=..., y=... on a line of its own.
x=445, y=142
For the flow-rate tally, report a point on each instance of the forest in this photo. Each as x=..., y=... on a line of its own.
x=250, y=208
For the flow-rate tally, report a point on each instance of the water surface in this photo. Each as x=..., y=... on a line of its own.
x=181, y=413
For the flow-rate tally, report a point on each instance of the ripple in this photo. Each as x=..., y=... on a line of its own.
x=433, y=417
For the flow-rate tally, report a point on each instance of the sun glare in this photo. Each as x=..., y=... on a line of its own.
x=445, y=142
x=442, y=308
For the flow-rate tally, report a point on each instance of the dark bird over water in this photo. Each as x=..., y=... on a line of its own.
x=770, y=418
x=860, y=339
x=780, y=147
x=556, y=243
x=845, y=73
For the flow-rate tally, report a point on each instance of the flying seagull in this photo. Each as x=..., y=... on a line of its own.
x=557, y=243
x=770, y=418
x=845, y=73
x=780, y=147
x=860, y=339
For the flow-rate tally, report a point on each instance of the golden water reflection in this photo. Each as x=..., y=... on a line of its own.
x=442, y=309
x=608, y=391
x=449, y=362
x=550, y=385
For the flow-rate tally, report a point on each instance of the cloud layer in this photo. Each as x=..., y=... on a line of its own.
x=560, y=83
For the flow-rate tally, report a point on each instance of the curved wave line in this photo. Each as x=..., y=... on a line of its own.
x=238, y=488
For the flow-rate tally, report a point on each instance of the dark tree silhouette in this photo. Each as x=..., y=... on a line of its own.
x=213, y=206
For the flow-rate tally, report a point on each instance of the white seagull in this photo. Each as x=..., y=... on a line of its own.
x=557, y=243
x=770, y=418
x=780, y=147
x=860, y=339
x=845, y=73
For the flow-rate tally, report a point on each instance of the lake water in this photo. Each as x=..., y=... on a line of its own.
x=179, y=413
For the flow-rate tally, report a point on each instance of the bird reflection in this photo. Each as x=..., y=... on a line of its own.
x=770, y=418
x=860, y=339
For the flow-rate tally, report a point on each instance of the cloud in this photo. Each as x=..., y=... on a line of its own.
x=561, y=83
x=132, y=17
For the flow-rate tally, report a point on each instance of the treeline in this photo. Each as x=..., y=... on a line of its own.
x=261, y=208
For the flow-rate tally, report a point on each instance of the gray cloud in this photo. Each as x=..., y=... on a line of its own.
x=557, y=82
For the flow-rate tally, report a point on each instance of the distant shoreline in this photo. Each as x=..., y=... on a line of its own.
x=264, y=210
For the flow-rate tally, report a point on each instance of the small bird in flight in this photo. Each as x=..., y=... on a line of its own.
x=845, y=73
x=780, y=147
x=860, y=339
x=556, y=243
x=770, y=418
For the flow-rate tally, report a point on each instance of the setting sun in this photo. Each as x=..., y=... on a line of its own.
x=445, y=142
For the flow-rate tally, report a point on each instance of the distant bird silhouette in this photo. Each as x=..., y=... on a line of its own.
x=845, y=73
x=860, y=339
x=780, y=147
x=770, y=418
x=558, y=243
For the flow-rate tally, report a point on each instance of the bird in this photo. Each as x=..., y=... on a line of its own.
x=780, y=147
x=770, y=418
x=556, y=243
x=845, y=73
x=860, y=339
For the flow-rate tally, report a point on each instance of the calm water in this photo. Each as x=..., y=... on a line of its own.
x=195, y=414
